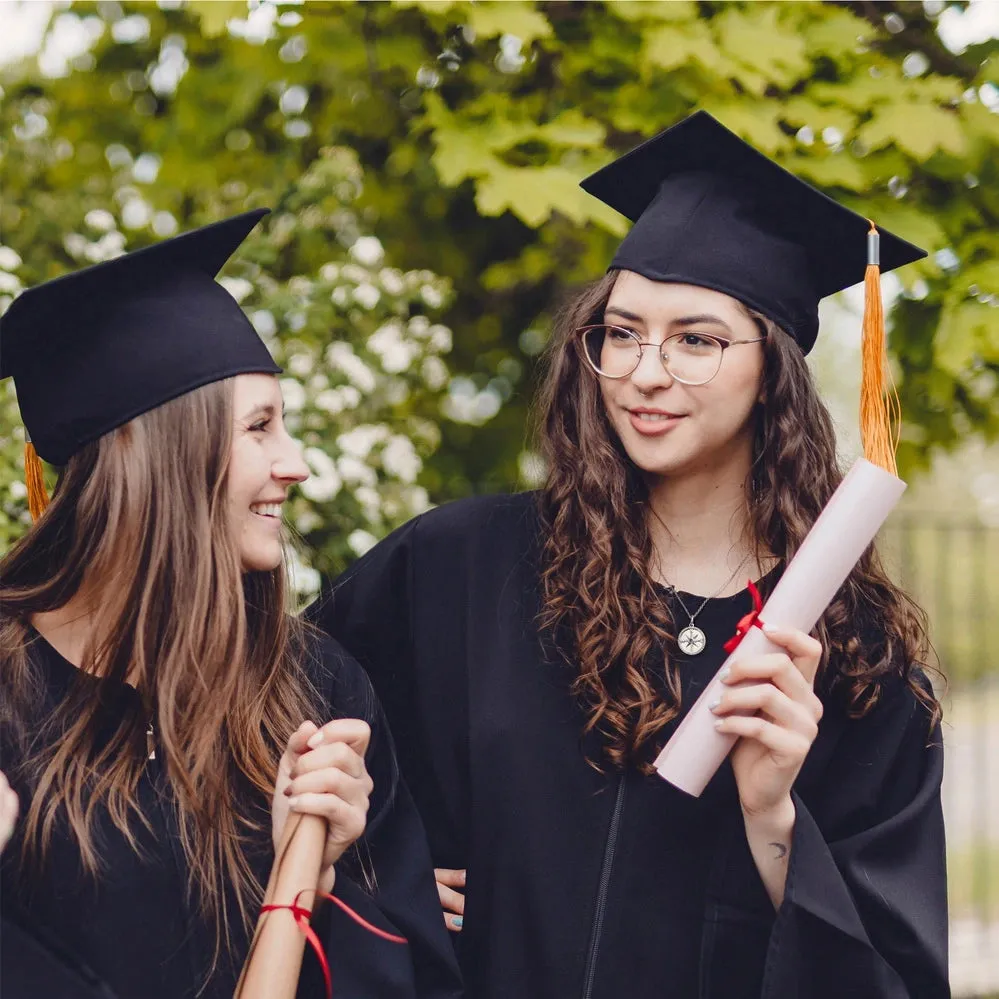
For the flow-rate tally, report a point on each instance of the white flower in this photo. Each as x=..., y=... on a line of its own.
x=371, y=502
x=329, y=272
x=340, y=296
x=325, y=481
x=301, y=364
x=263, y=322
x=18, y=490
x=341, y=356
x=417, y=499
x=293, y=393
x=99, y=219
x=308, y=521
x=351, y=272
x=419, y=326
x=432, y=296
x=400, y=460
x=350, y=396
x=391, y=280
x=136, y=213
x=368, y=251
x=75, y=244
x=356, y=471
x=9, y=259
x=9, y=283
x=360, y=542
x=239, y=288
x=367, y=295
x=330, y=401
x=305, y=580
x=440, y=338
x=435, y=373
x=359, y=441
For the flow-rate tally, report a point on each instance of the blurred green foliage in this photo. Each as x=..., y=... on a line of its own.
x=461, y=131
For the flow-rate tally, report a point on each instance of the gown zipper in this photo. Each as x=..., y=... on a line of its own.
x=596, y=932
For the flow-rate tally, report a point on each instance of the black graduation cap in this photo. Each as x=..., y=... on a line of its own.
x=711, y=210
x=91, y=350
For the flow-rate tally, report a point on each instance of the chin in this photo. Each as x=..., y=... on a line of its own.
x=261, y=559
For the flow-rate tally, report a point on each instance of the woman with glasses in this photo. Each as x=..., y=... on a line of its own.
x=534, y=652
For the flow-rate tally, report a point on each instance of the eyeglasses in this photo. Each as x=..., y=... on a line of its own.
x=691, y=358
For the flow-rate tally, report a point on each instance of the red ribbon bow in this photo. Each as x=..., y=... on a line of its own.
x=303, y=917
x=751, y=620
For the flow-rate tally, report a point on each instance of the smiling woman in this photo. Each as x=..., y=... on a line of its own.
x=534, y=652
x=160, y=707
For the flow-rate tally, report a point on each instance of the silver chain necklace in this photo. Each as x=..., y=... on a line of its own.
x=692, y=640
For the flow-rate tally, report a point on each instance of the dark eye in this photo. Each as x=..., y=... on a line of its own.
x=260, y=426
x=696, y=340
x=619, y=335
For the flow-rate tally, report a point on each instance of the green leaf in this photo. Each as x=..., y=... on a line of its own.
x=920, y=129
x=642, y=10
x=216, y=14
x=756, y=38
x=519, y=19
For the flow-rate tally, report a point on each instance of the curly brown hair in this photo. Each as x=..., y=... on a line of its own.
x=598, y=590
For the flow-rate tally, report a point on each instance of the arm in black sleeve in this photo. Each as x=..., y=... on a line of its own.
x=386, y=879
x=865, y=905
x=398, y=611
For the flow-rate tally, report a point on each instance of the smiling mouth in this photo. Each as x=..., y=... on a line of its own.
x=272, y=511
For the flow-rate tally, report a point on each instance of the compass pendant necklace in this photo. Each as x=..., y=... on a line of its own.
x=692, y=640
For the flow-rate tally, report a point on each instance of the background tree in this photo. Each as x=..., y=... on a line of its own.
x=453, y=135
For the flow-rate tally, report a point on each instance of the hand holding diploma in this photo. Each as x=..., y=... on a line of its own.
x=319, y=809
x=832, y=548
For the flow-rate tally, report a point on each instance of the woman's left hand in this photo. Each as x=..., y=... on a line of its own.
x=322, y=772
x=776, y=713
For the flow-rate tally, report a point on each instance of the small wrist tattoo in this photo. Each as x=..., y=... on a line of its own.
x=781, y=850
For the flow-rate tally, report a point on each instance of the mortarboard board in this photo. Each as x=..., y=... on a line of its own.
x=93, y=349
x=710, y=210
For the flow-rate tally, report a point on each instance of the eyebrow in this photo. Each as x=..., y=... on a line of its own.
x=705, y=318
x=264, y=409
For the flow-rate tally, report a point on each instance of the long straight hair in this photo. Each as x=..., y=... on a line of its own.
x=598, y=587
x=139, y=525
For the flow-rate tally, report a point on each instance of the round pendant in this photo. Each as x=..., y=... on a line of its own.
x=691, y=640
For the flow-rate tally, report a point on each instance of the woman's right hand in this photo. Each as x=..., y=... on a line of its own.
x=8, y=811
x=453, y=902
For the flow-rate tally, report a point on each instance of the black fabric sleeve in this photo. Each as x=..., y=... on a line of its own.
x=33, y=966
x=386, y=878
x=397, y=610
x=865, y=903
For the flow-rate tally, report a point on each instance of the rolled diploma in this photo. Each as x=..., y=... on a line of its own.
x=840, y=535
x=274, y=961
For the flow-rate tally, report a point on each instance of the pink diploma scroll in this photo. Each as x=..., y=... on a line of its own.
x=839, y=537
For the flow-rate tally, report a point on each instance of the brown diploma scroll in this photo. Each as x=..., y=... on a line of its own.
x=274, y=961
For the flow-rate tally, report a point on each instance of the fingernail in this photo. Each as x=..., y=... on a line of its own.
x=316, y=740
x=725, y=674
x=713, y=706
x=293, y=802
x=287, y=791
x=458, y=922
x=719, y=723
x=464, y=874
x=769, y=629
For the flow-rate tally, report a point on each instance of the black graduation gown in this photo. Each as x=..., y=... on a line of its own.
x=133, y=934
x=592, y=886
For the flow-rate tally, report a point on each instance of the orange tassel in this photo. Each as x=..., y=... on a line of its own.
x=880, y=409
x=38, y=498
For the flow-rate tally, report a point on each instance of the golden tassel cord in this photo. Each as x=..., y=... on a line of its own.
x=880, y=410
x=38, y=498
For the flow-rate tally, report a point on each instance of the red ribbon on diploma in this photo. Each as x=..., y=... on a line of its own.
x=303, y=917
x=751, y=620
